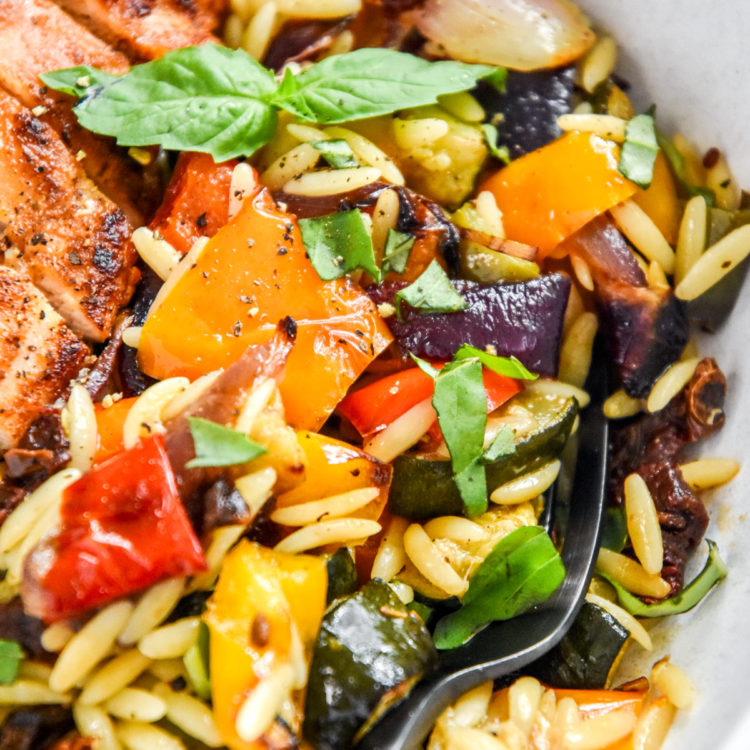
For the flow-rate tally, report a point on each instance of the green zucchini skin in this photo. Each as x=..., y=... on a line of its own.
x=369, y=643
x=586, y=655
x=712, y=308
x=342, y=574
x=423, y=488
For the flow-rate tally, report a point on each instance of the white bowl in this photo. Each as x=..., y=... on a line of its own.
x=689, y=58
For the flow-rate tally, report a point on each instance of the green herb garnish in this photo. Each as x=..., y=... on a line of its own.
x=501, y=153
x=510, y=367
x=524, y=569
x=432, y=292
x=197, y=664
x=398, y=246
x=338, y=244
x=461, y=405
x=638, y=153
x=502, y=444
x=11, y=656
x=336, y=152
x=713, y=572
x=498, y=79
x=217, y=445
x=222, y=102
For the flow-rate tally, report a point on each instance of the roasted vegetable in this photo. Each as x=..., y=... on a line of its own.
x=522, y=320
x=369, y=644
x=334, y=467
x=342, y=574
x=123, y=528
x=526, y=112
x=444, y=168
x=263, y=619
x=588, y=653
x=646, y=328
x=482, y=264
x=256, y=266
x=660, y=201
x=712, y=308
x=550, y=193
x=423, y=486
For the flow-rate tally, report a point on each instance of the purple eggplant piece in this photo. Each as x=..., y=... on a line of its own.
x=523, y=320
x=530, y=106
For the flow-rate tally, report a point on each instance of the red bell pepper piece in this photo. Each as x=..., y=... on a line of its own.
x=374, y=407
x=123, y=528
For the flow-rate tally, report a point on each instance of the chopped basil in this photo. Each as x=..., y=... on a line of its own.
x=522, y=570
x=508, y=366
x=217, y=445
x=222, y=102
x=336, y=152
x=432, y=292
x=497, y=79
x=461, y=405
x=11, y=656
x=503, y=444
x=713, y=572
x=338, y=244
x=398, y=246
x=638, y=153
x=501, y=153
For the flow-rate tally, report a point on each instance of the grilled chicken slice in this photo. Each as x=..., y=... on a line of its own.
x=36, y=36
x=39, y=354
x=146, y=29
x=72, y=240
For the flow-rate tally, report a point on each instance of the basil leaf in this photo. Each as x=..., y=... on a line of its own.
x=209, y=99
x=714, y=571
x=510, y=367
x=338, y=243
x=524, y=569
x=336, y=152
x=638, y=153
x=502, y=445
x=217, y=445
x=373, y=81
x=398, y=247
x=78, y=81
x=490, y=136
x=497, y=79
x=425, y=366
x=11, y=656
x=677, y=162
x=461, y=405
x=432, y=292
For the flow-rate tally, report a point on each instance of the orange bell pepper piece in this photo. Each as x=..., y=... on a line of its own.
x=196, y=203
x=252, y=274
x=660, y=201
x=268, y=594
x=548, y=194
x=109, y=423
x=333, y=467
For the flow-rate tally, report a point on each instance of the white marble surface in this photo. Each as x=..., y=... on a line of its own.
x=692, y=58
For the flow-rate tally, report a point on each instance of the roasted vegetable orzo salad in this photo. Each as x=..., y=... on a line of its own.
x=298, y=306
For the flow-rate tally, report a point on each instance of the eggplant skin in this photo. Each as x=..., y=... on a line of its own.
x=530, y=106
x=523, y=319
x=646, y=330
x=369, y=643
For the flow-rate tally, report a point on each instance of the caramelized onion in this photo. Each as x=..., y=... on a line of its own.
x=520, y=34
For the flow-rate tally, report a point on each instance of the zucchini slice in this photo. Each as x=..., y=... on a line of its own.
x=423, y=486
x=342, y=574
x=369, y=644
x=588, y=653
